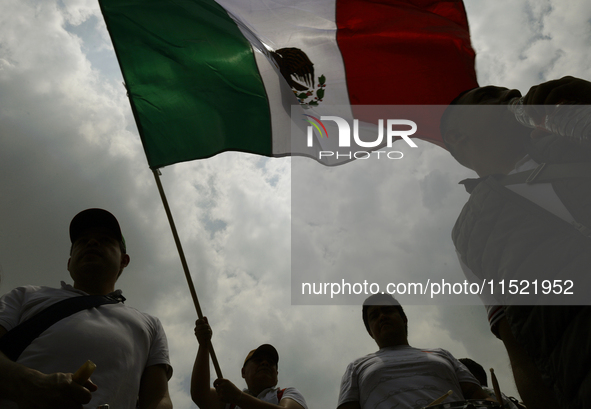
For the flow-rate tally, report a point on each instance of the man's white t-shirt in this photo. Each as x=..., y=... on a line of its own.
x=120, y=340
x=403, y=377
x=271, y=395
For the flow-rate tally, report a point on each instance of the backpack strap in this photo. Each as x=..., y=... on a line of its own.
x=549, y=172
x=15, y=341
x=543, y=173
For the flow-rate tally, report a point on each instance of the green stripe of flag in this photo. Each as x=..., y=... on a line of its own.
x=192, y=79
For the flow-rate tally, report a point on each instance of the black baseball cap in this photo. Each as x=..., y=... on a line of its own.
x=91, y=218
x=265, y=349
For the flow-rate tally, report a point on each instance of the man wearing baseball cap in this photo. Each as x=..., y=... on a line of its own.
x=259, y=372
x=84, y=321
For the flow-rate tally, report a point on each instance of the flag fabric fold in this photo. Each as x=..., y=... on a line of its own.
x=204, y=77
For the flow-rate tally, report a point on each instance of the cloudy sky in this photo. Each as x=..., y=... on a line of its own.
x=68, y=142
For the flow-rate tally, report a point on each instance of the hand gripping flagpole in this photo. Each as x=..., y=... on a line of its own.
x=179, y=247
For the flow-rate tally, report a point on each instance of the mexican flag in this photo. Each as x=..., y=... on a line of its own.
x=205, y=76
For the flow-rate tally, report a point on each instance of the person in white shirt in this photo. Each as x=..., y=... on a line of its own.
x=128, y=347
x=259, y=372
x=528, y=231
x=398, y=375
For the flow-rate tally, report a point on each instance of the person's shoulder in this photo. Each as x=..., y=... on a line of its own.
x=364, y=359
x=288, y=389
x=152, y=320
x=399, y=350
x=25, y=290
x=33, y=288
x=292, y=393
x=439, y=351
x=436, y=350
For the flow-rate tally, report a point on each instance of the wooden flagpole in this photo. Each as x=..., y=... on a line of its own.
x=179, y=247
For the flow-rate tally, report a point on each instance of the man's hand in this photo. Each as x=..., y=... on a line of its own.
x=31, y=389
x=564, y=90
x=474, y=391
x=227, y=392
x=202, y=394
x=567, y=90
x=51, y=391
x=203, y=331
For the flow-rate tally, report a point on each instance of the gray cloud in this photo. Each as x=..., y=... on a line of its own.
x=68, y=142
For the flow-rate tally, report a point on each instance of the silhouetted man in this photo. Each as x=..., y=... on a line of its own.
x=398, y=374
x=259, y=372
x=128, y=347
